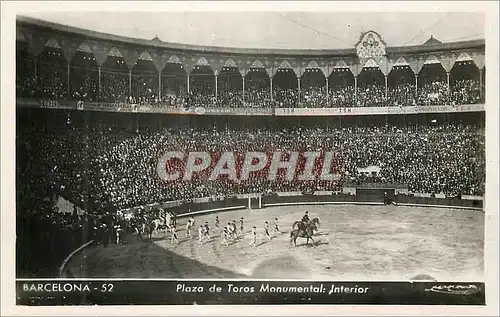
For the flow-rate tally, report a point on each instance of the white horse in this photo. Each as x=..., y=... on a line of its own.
x=163, y=221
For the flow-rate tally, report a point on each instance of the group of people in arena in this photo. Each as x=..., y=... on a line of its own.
x=50, y=234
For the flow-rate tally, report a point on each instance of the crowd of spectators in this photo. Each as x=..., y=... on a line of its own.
x=100, y=163
x=51, y=82
x=109, y=164
x=402, y=94
x=466, y=91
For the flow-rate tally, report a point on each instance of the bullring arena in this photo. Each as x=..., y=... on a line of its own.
x=355, y=242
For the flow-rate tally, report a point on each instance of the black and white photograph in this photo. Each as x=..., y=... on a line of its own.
x=251, y=157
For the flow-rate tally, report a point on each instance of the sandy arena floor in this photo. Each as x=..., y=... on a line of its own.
x=354, y=243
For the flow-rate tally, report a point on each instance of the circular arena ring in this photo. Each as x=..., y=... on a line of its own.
x=354, y=242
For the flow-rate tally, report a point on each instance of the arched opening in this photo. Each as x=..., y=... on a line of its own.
x=432, y=85
x=84, y=77
x=230, y=87
x=257, y=88
x=26, y=83
x=371, y=88
x=52, y=71
x=285, y=92
x=465, y=83
x=115, y=80
x=202, y=86
x=341, y=88
x=173, y=85
x=401, y=87
x=145, y=82
x=313, y=89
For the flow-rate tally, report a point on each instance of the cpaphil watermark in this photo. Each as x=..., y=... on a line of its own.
x=239, y=167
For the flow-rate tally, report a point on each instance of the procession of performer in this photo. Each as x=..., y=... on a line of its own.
x=145, y=224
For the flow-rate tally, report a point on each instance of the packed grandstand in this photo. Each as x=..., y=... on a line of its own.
x=107, y=161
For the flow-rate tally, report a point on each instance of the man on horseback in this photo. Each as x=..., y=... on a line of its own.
x=304, y=221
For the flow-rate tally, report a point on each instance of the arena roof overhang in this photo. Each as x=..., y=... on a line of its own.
x=37, y=33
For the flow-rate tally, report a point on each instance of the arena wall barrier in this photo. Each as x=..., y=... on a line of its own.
x=439, y=202
x=373, y=198
x=62, y=269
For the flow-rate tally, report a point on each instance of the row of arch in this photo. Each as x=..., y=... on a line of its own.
x=116, y=63
x=37, y=41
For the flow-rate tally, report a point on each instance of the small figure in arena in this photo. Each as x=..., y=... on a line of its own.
x=229, y=229
x=105, y=234
x=235, y=231
x=173, y=231
x=304, y=221
x=217, y=222
x=225, y=236
x=189, y=226
x=118, y=233
x=276, y=226
x=207, y=231
x=266, y=231
x=201, y=234
x=305, y=218
x=241, y=225
x=254, y=236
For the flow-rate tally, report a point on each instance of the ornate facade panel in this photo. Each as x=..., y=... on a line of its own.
x=84, y=47
x=416, y=63
x=312, y=64
x=327, y=71
x=370, y=45
x=36, y=40
x=385, y=64
x=130, y=55
x=447, y=61
x=145, y=56
x=53, y=42
x=160, y=58
x=186, y=63
x=201, y=61
x=69, y=47
x=243, y=72
x=370, y=63
x=463, y=57
x=115, y=51
x=432, y=59
x=271, y=71
x=257, y=64
x=478, y=59
x=271, y=63
x=355, y=69
x=341, y=64
x=216, y=64
x=401, y=61
x=285, y=64
x=174, y=59
x=100, y=50
x=229, y=63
